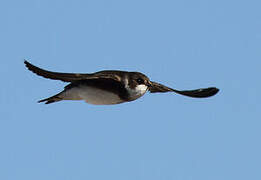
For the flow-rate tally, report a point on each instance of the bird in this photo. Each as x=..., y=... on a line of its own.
x=109, y=87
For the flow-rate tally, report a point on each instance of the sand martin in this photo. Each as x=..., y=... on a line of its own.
x=109, y=86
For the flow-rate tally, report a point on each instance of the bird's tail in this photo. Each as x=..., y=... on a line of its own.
x=52, y=99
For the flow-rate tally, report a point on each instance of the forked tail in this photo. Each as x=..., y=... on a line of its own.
x=52, y=99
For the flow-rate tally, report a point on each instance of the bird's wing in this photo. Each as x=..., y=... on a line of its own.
x=197, y=93
x=70, y=77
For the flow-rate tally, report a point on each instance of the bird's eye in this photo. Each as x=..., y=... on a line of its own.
x=140, y=81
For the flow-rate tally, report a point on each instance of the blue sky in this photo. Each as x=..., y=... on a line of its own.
x=184, y=44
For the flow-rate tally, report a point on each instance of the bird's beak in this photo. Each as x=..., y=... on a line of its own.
x=149, y=84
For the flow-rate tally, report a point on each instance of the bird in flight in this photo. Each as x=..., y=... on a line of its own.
x=109, y=87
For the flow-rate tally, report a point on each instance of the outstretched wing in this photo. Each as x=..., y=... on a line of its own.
x=70, y=77
x=197, y=93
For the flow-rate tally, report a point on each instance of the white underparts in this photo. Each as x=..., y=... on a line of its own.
x=139, y=91
x=91, y=95
x=98, y=96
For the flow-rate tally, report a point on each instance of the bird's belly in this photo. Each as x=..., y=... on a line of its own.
x=92, y=95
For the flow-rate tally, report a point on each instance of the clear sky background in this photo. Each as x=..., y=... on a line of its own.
x=184, y=44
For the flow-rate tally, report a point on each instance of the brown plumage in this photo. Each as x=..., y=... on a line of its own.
x=121, y=84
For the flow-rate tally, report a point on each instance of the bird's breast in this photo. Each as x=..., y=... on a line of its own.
x=137, y=92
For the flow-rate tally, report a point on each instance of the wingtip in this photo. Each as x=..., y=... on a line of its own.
x=25, y=61
x=40, y=101
x=33, y=68
x=199, y=93
x=213, y=90
x=27, y=64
